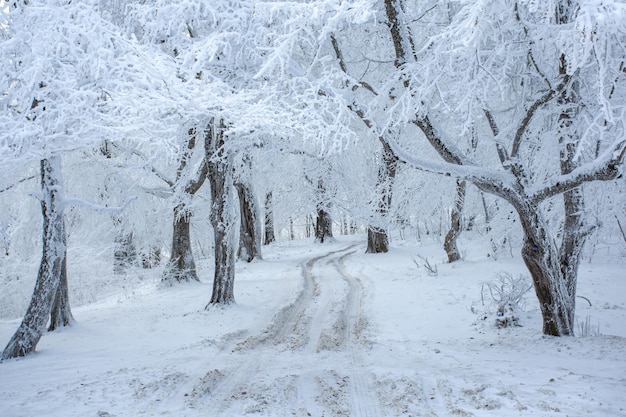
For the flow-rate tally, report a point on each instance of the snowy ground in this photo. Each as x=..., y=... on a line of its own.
x=325, y=330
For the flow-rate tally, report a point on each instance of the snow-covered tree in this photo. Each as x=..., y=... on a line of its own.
x=66, y=77
x=542, y=84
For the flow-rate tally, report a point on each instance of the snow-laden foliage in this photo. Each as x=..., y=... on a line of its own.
x=55, y=71
x=529, y=82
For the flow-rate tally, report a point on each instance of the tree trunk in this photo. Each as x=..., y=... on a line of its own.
x=449, y=243
x=377, y=239
x=541, y=257
x=220, y=178
x=269, y=236
x=575, y=228
x=323, y=226
x=181, y=266
x=61, y=313
x=25, y=339
x=249, y=230
x=324, y=222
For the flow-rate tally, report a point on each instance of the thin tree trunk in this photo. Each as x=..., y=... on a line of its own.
x=25, y=339
x=324, y=222
x=450, y=242
x=323, y=226
x=377, y=238
x=249, y=231
x=221, y=181
x=269, y=236
x=575, y=228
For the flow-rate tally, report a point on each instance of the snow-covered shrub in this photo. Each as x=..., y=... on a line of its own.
x=507, y=294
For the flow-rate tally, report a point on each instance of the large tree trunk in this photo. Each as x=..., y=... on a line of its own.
x=453, y=234
x=181, y=266
x=25, y=339
x=542, y=259
x=219, y=164
x=249, y=230
x=377, y=238
x=269, y=236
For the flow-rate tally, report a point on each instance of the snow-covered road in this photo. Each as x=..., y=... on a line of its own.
x=326, y=330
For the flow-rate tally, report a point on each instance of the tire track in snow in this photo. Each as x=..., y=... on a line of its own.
x=297, y=327
x=362, y=398
x=292, y=320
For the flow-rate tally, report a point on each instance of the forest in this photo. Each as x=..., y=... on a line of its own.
x=161, y=149
x=149, y=137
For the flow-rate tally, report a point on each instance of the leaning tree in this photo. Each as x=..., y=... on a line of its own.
x=53, y=90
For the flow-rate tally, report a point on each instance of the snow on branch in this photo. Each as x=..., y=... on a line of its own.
x=606, y=167
x=96, y=207
x=496, y=182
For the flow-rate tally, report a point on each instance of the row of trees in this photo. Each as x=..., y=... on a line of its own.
x=523, y=100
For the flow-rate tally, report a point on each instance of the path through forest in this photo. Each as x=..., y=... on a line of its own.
x=312, y=354
x=321, y=331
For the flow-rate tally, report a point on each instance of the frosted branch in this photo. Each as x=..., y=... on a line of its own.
x=607, y=167
x=96, y=207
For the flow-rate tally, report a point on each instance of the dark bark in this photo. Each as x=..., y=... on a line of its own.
x=249, y=233
x=541, y=257
x=25, y=339
x=221, y=182
x=377, y=239
x=323, y=226
x=182, y=266
x=450, y=242
x=269, y=236
x=61, y=313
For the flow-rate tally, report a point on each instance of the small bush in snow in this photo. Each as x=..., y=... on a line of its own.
x=586, y=329
x=507, y=293
x=421, y=261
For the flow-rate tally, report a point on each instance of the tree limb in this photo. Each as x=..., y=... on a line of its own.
x=500, y=183
x=448, y=152
x=605, y=168
x=502, y=153
x=521, y=129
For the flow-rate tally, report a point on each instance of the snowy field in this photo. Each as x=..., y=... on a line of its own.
x=325, y=330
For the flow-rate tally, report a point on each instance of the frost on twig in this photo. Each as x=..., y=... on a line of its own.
x=421, y=261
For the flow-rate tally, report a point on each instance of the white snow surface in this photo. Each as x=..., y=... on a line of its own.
x=327, y=330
